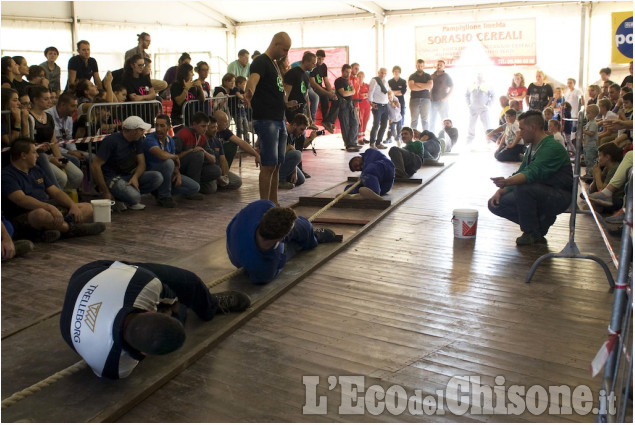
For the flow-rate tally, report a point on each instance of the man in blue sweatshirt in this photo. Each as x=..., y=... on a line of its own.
x=378, y=174
x=262, y=237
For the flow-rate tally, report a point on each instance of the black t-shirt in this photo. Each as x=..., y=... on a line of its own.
x=400, y=85
x=176, y=89
x=268, y=100
x=627, y=79
x=320, y=72
x=343, y=83
x=423, y=78
x=44, y=132
x=298, y=79
x=140, y=85
x=84, y=71
x=539, y=96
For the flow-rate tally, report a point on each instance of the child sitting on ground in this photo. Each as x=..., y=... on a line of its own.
x=609, y=158
x=510, y=147
x=554, y=130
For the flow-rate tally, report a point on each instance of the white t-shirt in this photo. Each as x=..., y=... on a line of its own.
x=572, y=96
x=510, y=133
x=558, y=136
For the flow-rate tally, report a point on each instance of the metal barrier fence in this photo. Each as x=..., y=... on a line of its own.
x=106, y=118
x=618, y=371
x=240, y=116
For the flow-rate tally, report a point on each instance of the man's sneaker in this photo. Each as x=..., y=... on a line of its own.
x=119, y=206
x=401, y=174
x=166, y=202
x=195, y=197
x=50, y=236
x=22, y=246
x=329, y=127
x=324, y=235
x=616, y=219
x=232, y=301
x=208, y=188
x=136, y=207
x=380, y=146
x=306, y=175
x=286, y=185
x=313, y=127
x=601, y=199
x=352, y=148
x=85, y=229
x=529, y=239
x=368, y=193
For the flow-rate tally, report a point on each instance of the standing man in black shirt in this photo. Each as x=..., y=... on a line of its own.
x=420, y=84
x=265, y=94
x=347, y=115
x=440, y=94
x=399, y=87
x=297, y=83
x=322, y=86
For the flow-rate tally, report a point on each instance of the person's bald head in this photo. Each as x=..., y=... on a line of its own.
x=280, y=45
x=222, y=119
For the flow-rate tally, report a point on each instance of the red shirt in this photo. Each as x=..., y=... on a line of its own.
x=190, y=139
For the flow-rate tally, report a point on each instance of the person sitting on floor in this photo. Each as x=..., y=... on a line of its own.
x=262, y=237
x=407, y=160
x=160, y=155
x=540, y=189
x=609, y=159
x=11, y=248
x=35, y=206
x=378, y=174
x=196, y=162
x=227, y=180
x=291, y=173
x=141, y=307
x=449, y=134
x=119, y=168
x=510, y=145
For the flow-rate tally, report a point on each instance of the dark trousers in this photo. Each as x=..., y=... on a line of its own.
x=533, y=206
x=348, y=123
x=329, y=115
x=194, y=166
x=404, y=160
x=190, y=289
x=230, y=149
x=380, y=122
x=510, y=154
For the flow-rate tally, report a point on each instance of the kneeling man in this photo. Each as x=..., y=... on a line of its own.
x=541, y=188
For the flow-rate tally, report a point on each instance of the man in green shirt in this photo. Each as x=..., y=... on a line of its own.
x=541, y=188
x=408, y=159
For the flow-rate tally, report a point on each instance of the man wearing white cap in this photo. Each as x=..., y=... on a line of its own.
x=119, y=168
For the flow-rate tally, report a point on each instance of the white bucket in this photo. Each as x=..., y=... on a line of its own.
x=101, y=210
x=464, y=222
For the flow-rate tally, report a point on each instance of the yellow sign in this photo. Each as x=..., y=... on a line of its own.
x=622, y=34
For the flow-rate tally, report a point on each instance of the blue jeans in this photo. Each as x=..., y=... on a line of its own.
x=273, y=141
x=315, y=100
x=380, y=121
x=291, y=161
x=590, y=157
x=167, y=188
x=419, y=108
x=440, y=108
x=533, y=206
x=122, y=191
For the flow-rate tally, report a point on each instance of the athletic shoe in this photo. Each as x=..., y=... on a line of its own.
x=232, y=301
x=601, y=199
x=529, y=239
x=22, y=246
x=380, y=146
x=616, y=219
x=352, y=148
x=136, y=207
x=368, y=193
x=329, y=127
x=306, y=175
x=324, y=235
x=119, y=206
x=401, y=174
x=366, y=141
x=85, y=229
x=50, y=236
x=286, y=185
x=313, y=127
x=208, y=188
x=166, y=202
x=195, y=197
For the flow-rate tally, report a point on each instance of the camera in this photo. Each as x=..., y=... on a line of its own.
x=320, y=132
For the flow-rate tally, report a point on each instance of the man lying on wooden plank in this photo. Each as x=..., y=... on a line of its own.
x=378, y=174
x=115, y=313
x=262, y=237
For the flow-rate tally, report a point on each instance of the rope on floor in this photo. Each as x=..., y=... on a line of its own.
x=42, y=384
x=81, y=364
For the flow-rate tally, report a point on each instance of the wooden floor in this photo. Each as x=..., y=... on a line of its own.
x=406, y=304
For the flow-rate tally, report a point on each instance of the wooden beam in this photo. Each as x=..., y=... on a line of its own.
x=333, y=220
x=397, y=180
x=310, y=201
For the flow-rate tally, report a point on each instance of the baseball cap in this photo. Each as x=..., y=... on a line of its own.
x=133, y=123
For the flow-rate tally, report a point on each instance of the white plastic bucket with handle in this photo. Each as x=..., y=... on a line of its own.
x=464, y=222
x=101, y=210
